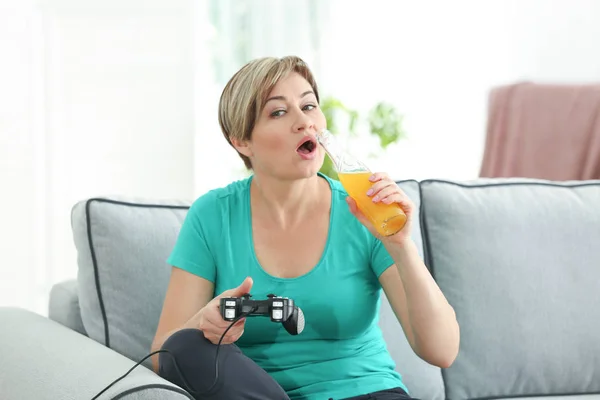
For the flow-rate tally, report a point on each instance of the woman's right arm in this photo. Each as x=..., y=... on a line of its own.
x=186, y=295
x=189, y=303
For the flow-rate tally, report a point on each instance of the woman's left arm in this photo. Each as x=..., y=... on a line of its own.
x=421, y=306
x=427, y=318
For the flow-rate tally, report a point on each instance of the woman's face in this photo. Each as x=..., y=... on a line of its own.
x=283, y=141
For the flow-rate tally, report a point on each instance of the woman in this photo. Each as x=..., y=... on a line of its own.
x=293, y=232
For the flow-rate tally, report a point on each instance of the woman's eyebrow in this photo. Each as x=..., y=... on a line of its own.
x=285, y=99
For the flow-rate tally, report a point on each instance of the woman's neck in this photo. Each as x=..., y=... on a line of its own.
x=285, y=203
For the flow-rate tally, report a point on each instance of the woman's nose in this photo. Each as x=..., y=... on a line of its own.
x=303, y=123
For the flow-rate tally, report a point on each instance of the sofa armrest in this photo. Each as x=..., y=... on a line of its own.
x=42, y=359
x=64, y=306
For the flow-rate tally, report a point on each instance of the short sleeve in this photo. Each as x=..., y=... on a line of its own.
x=380, y=258
x=192, y=251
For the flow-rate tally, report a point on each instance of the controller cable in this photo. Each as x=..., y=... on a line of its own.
x=185, y=382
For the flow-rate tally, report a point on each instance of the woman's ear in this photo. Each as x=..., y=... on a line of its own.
x=242, y=146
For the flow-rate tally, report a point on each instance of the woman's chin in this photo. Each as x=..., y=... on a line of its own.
x=304, y=171
x=311, y=167
x=296, y=170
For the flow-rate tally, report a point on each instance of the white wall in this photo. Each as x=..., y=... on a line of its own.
x=97, y=99
x=19, y=166
x=437, y=60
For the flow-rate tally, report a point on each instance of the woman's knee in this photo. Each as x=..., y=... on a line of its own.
x=196, y=369
x=183, y=350
x=184, y=339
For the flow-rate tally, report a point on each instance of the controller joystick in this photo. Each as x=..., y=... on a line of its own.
x=279, y=309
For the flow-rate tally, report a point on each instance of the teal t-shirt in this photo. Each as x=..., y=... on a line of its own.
x=341, y=352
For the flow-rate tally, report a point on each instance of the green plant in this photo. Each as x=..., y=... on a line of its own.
x=383, y=120
x=386, y=123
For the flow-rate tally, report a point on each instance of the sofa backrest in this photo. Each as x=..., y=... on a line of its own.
x=122, y=247
x=519, y=260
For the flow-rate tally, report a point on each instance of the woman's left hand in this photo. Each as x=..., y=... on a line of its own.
x=386, y=191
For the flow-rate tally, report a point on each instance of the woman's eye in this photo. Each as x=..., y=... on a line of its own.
x=280, y=113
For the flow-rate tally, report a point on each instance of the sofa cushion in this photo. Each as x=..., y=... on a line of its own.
x=423, y=380
x=519, y=260
x=44, y=360
x=122, y=248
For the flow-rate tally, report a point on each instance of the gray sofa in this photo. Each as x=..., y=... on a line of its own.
x=518, y=259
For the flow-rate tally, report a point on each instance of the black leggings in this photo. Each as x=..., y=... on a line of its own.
x=239, y=378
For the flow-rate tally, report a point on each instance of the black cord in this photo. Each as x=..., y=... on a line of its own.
x=185, y=382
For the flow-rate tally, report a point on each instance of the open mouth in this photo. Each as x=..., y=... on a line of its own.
x=307, y=146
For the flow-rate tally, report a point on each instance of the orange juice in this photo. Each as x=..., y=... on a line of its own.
x=387, y=219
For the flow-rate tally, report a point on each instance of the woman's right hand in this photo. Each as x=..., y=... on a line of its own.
x=212, y=324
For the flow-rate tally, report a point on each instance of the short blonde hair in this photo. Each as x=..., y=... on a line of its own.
x=245, y=94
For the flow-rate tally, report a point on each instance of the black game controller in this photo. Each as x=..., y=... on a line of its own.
x=279, y=309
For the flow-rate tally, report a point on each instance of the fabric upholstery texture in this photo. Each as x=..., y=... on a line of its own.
x=520, y=263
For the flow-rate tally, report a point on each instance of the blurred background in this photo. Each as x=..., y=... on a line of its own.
x=119, y=97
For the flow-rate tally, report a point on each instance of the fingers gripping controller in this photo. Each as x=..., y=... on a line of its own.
x=279, y=309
